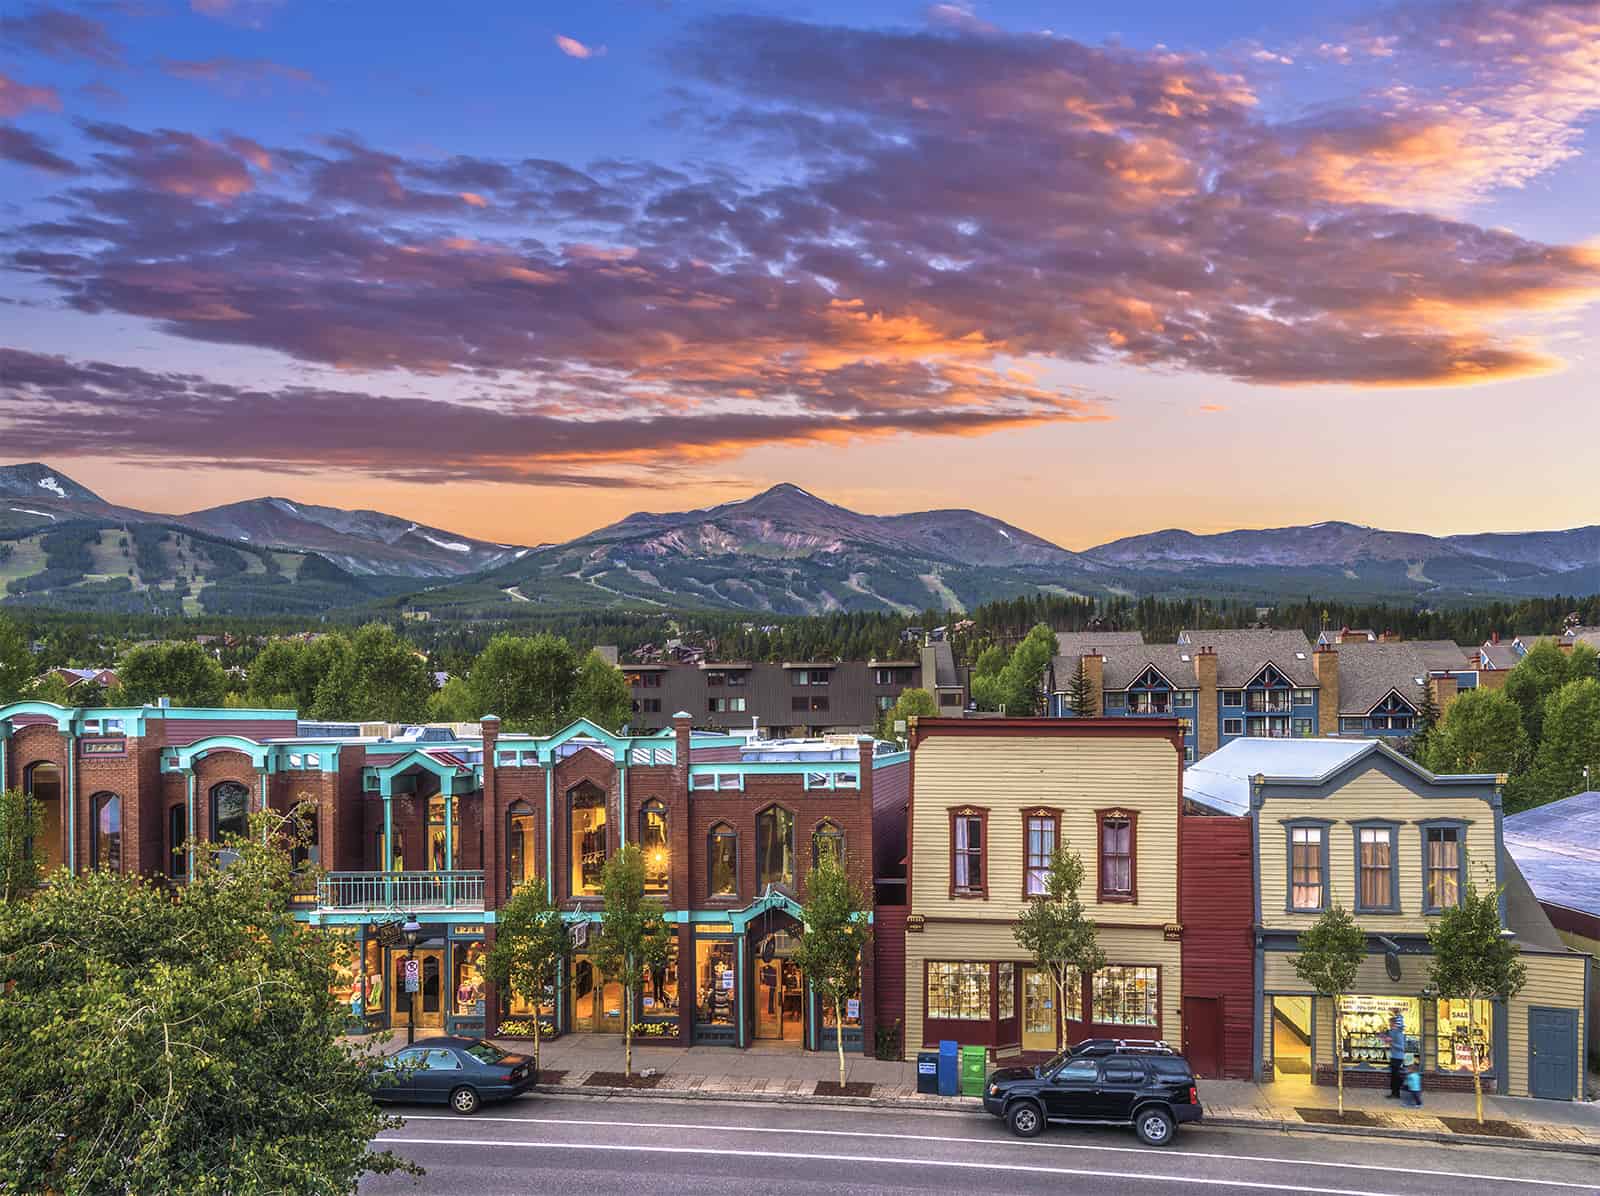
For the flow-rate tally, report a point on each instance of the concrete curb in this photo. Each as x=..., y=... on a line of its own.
x=950, y=1105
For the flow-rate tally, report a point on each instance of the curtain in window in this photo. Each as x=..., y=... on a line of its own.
x=1306, y=863
x=1375, y=852
x=1116, y=855
x=1041, y=847
x=1444, y=868
x=969, y=853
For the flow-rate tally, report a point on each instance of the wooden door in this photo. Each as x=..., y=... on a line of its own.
x=1039, y=1013
x=1202, y=1035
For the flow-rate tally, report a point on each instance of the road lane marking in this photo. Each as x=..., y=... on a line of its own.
x=894, y=1161
x=1165, y=1152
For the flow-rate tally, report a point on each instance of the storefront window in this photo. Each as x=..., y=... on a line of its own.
x=958, y=990
x=358, y=975
x=437, y=860
x=852, y=1014
x=723, y=849
x=1463, y=1041
x=658, y=987
x=1127, y=997
x=774, y=847
x=519, y=844
x=1008, y=990
x=587, y=837
x=653, y=843
x=715, y=975
x=468, y=988
x=1364, y=1029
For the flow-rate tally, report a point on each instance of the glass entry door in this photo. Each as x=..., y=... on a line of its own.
x=780, y=1001
x=1038, y=1011
x=425, y=1006
x=596, y=1000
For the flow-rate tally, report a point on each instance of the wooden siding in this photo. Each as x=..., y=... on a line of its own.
x=889, y=967
x=891, y=790
x=1216, y=911
x=994, y=941
x=1554, y=981
x=1077, y=774
x=1370, y=795
x=178, y=732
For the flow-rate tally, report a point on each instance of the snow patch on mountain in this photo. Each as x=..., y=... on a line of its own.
x=25, y=511
x=52, y=485
x=448, y=545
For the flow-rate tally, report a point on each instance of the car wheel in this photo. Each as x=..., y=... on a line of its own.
x=1026, y=1119
x=464, y=1101
x=1154, y=1126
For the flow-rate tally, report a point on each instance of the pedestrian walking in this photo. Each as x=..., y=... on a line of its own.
x=1397, y=1053
x=1413, y=1092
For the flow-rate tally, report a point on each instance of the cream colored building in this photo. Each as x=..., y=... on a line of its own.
x=991, y=800
x=1356, y=824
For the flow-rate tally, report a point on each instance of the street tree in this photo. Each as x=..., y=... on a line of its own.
x=601, y=694
x=912, y=703
x=1482, y=731
x=383, y=678
x=1053, y=929
x=1474, y=960
x=184, y=672
x=183, y=1044
x=530, y=952
x=1329, y=954
x=633, y=934
x=19, y=825
x=834, y=940
x=1080, y=694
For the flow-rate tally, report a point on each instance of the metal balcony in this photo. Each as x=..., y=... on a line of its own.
x=400, y=891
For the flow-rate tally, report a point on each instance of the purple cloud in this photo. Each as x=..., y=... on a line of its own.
x=57, y=33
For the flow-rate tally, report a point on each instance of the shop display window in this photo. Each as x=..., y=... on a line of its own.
x=958, y=990
x=716, y=971
x=469, y=979
x=437, y=859
x=653, y=843
x=1463, y=1041
x=1127, y=997
x=520, y=849
x=658, y=987
x=852, y=1013
x=1008, y=990
x=358, y=976
x=587, y=836
x=1364, y=1029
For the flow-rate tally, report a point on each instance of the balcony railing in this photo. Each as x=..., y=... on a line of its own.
x=400, y=891
x=1260, y=703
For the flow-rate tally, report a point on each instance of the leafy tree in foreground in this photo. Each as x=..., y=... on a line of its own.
x=184, y=672
x=601, y=694
x=1473, y=961
x=19, y=825
x=1054, y=931
x=912, y=703
x=530, y=951
x=1480, y=732
x=633, y=935
x=179, y=1044
x=1330, y=952
x=834, y=940
x=1571, y=743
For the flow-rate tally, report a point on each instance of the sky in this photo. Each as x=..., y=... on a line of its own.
x=519, y=269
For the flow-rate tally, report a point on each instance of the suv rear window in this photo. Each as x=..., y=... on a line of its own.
x=1169, y=1067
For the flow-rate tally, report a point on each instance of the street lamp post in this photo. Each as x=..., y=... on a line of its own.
x=411, y=929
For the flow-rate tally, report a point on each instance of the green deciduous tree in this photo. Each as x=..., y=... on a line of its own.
x=1480, y=732
x=16, y=661
x=1545, y=669
x=1474, y=961
x=19, y=826
x=184, y=672
x=633, y=934
x=1570, y=744
x=453, y=702
x=834, y=940
x=531, y=947
x=1330, y=952
x=1054, y=930
x=287, y=672
x=1081, y=698
x=186, y=1044
x=601, y=694
x=912, y=703
x=526, y=681
x=383, y=678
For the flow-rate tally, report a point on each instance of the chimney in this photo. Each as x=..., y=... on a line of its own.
x=1206, y=726
x=1094, y=668
x=682, y=733
x=1325, y=663
x=1388, y=637
x=866, y=746
x=1444, y=692
x=1494, y=637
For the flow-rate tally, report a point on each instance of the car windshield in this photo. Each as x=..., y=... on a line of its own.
x=485, y=1052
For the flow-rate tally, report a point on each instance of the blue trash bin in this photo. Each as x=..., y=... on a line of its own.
x=949, y=1068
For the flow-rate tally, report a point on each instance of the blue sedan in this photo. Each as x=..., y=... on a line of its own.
x=459, y=1072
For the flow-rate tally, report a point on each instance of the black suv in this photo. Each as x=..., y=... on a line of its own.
x=1099, y=1082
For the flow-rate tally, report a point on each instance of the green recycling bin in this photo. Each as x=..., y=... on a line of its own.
x=974, y=1069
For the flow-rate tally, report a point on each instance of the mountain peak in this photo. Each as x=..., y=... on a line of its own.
x=34, y=479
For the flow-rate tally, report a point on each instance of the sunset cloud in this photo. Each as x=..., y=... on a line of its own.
x=16, y=97
x=573, y=48
x=25, y=149
x=57, y=33
x=235, y=76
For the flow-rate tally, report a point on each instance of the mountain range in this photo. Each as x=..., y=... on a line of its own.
x=784, y=551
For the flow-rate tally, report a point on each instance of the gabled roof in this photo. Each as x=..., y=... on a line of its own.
x=1557, y=847
x=1080, y=643
x=1443, y=656
x=1241, y=654
x=1369, y=672
x=1124, y=666
x=1499, y=656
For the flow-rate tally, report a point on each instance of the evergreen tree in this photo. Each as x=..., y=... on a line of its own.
x=16, y=662
x=1080, y=694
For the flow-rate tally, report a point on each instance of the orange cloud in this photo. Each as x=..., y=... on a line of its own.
x=573, y=48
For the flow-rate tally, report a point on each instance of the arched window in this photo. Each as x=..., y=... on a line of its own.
x=722, y=860
x=105, y=846
x=230, y=810
x=653, y=845
x=586, y=838
x=827, y=842
x=774, y=847
x=42, y=782
x=520, y=846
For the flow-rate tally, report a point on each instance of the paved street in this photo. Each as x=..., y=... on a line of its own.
x=549, y=1144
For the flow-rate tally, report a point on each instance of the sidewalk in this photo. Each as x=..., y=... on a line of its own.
x=591, y=1065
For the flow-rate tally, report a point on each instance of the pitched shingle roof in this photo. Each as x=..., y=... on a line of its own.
x=1500, y=656
x=1243, y=654
x=1081, y=643
x=1443, y=655
x=1367, y=672
x=1557, y=847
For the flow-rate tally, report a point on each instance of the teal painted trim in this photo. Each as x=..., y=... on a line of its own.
x=449, y=846
x=888, y=758
x=696, y=739
x=622, y=804
x=62, y=714
x=222, y=713
x=550, y=832
x=4, y=775
x=388, y=833
x=744, y=978
x=262, y=757
x=386, y=773
x=189, y=831
x=423, y=917
x=72, y=802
